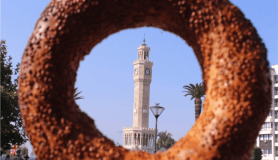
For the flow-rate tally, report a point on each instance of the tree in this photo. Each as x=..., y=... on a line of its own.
x=165, y=140
x=18, y=152
x=196, y=92
x=11, y=122
x=256, y=153
x=76, y=93
x=170, y=142
x=24, y=151
x=7, y=152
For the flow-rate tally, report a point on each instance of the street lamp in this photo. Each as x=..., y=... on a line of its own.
x=157, y=110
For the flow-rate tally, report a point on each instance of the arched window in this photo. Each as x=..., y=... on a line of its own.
x=138, y=141
x=134, y=138
x=130, y=139
x=152, y=140
x=144, y=142
x=149, y=139
x=126, y=139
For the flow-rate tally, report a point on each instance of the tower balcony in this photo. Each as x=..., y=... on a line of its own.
x=269, y=119
x=266, y=131
x=136, y=138
x=142, y=61
x=138, y=129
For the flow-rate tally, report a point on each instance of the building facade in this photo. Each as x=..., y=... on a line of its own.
x=268, y=135
x=140, y=136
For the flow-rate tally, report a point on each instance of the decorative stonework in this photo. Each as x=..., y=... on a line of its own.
x=140, y=136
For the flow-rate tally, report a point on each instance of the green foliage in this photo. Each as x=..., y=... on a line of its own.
x=76, y=93
x=7, y=152
x=18, y=152
x=24, y=151
x=165, y=140
x=196, y=92
x=11, y=122
x=256, y=154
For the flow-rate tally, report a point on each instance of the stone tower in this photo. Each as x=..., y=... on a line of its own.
x=142, y=79
x=140, y=136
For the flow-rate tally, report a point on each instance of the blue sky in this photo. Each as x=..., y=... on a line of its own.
x=105, y=77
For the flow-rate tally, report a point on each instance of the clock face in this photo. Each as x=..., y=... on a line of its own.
x=147, y=71
x=136, y=71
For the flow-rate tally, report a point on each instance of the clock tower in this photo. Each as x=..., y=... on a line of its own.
x=140, y=136
x=142, y=77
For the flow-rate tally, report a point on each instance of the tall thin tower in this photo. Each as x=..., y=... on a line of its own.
x=140, y=136
x=142, y=79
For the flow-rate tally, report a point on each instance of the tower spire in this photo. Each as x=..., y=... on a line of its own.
x=144, y=39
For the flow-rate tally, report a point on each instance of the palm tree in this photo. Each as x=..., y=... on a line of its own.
x=76, y=93
x=164, y=136
x=196, y=92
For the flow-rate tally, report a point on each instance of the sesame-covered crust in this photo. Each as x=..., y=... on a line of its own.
x=229, y=50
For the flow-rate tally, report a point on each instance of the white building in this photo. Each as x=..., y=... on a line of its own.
x=268, y=135
x=140, y=136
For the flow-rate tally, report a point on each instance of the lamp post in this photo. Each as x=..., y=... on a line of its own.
x=157, y=110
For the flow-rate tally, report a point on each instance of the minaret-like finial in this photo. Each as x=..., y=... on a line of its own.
x=144, y=39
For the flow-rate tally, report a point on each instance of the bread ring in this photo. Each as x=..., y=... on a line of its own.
x=229, y=50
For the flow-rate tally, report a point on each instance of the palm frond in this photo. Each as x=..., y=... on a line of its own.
x=76, y=93
x=195, y=91
x=192, y=86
